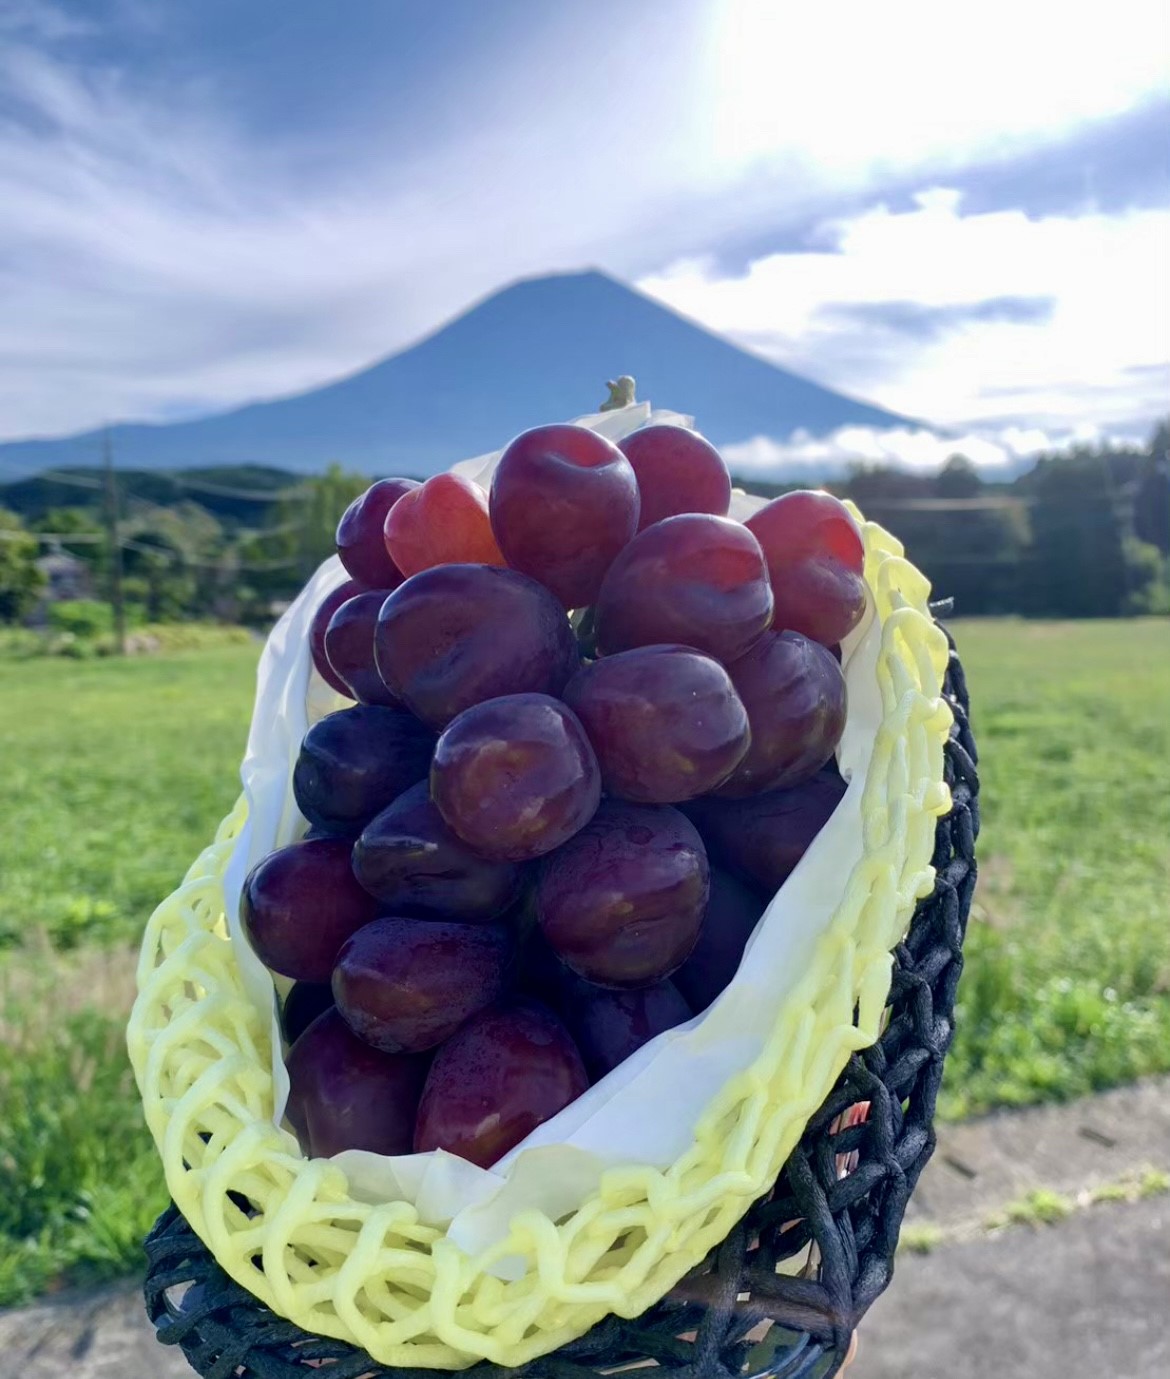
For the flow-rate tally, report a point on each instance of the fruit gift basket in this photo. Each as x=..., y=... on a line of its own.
x=570, y=987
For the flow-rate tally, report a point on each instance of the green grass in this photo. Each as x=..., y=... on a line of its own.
x=115, y=774
x=1067, y=984
x=80, y=1182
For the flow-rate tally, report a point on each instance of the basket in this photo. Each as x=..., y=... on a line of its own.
x=706, y=1323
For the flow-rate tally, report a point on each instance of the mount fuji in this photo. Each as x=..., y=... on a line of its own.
x=536, y=351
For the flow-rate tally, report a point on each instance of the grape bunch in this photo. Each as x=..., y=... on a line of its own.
x=593, y=730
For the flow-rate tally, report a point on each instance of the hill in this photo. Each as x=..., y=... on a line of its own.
x=539, y=350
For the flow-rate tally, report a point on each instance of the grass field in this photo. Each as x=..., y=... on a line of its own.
x=117, y=772
x=114, y=771
x=1067, y=987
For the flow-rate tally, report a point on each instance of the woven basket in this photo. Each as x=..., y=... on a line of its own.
x=191, y=1033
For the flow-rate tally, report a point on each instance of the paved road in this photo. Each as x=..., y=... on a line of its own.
x=1087, y=1299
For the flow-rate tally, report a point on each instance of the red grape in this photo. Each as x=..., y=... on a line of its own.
x=677, y=471
x=610, y=1025
x=807, y=522
x=456, y=635
x=304, y=1002
x=444, y=522
x=318, y=627
x=665, y=722
x=815, y=558
x=733, y=911
x=504, y=1073
x=349, y=648
x=343, y=1094
x=405, y=985
x=763, y=837
x=408, y=857
x=697, y=580
x=515, y=777
x=300, y=904
x=621, y=903
x=794, y=693
x=361, y=546
x=355, y=762
x=564, y=501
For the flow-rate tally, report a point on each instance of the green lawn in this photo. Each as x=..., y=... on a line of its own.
x=116, y=773
x=1067, y=986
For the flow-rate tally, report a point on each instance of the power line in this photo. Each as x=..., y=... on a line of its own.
x=295, y=492
x=54, y=477
x=81, y=537
x=259, y=495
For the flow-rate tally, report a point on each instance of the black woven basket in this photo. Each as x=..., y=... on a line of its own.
x=838, y=1203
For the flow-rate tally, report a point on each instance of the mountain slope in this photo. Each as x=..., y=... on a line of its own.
x=539, y=350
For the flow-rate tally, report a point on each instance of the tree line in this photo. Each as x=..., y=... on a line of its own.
x=1083, y=534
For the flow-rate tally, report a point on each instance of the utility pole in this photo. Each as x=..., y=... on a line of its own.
x=115, y=543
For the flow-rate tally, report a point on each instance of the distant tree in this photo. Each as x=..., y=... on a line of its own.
x=1076, y=565
x=79, y=522
x=275, y=559
x=20, y=580
x=303, y=525
x=869, y=486
x=1151, y=507
x=958, y=478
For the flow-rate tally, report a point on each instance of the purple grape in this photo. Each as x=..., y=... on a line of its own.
x=355, y=762
x=678, y=471
x=349, y=648
x=622, y=901
x=361, y=545
x=609, y=1026
x=505, y=1072
x=762, y=837
x=343, y=1094
x=515, y=777
x=697, y=580
x=408, y=857
x=794, y=693
x=456, y=635
x=300, y=904
x=665, y=722
x=733, y=911
x=405, y=985
x=317, y=628
x=304, y=1002
x=564, y=502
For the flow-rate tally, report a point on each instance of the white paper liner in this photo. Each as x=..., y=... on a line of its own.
x=646, y=1109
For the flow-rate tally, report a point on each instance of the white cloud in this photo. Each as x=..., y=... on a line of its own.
x=917, y=450
x=852, y=84
x=155, y=259
x=1101, y=356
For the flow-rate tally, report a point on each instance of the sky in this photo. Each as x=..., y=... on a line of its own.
x=959, y=213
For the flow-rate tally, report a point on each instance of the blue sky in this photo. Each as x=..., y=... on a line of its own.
x=960, y=214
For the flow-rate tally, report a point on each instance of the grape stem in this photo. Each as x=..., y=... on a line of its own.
x=621, y=394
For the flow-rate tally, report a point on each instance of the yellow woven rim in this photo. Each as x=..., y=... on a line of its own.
x=375, y=1275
